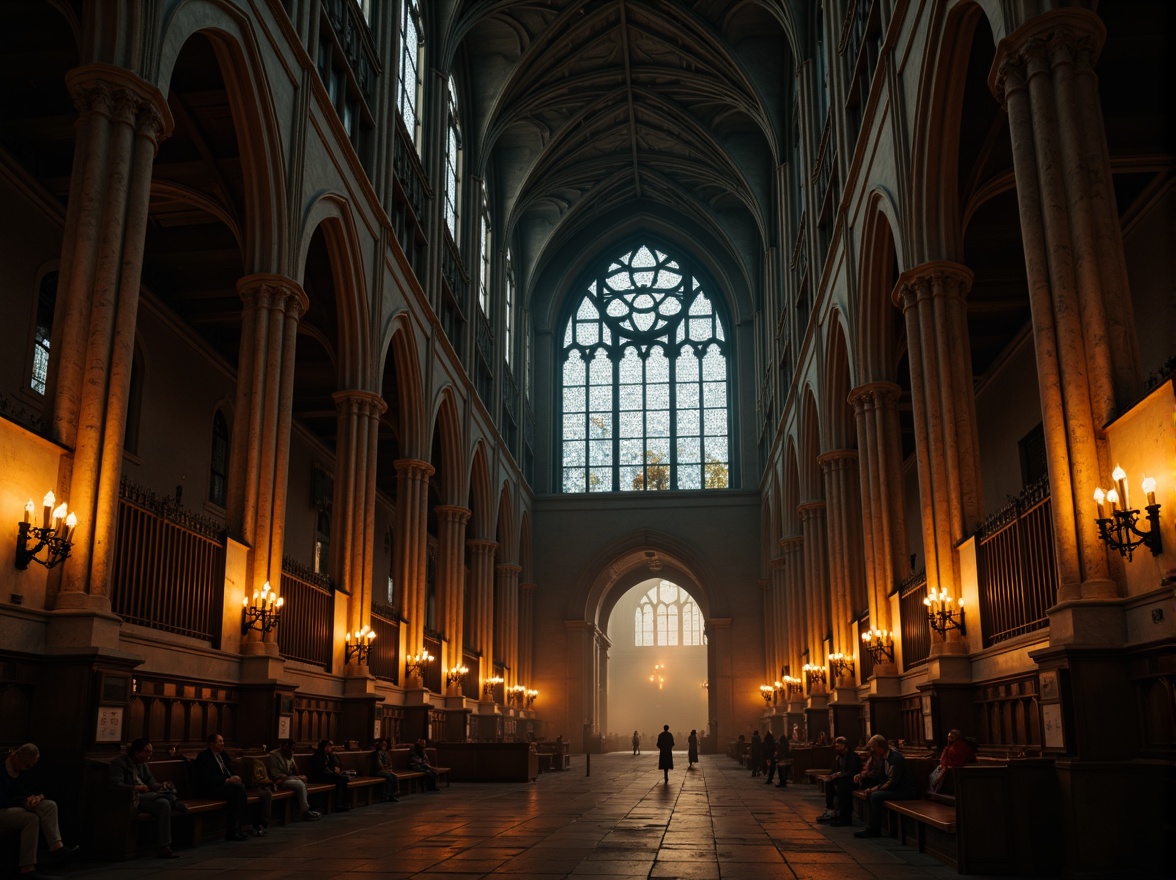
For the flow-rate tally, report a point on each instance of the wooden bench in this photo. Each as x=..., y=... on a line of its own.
x=933, y=824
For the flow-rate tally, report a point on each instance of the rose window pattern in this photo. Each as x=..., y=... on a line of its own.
x=645, y=392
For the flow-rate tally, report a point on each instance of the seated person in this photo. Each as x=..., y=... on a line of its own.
x=418, y=759
x=27, y=812
x=382, y=761
x=956, y=753
x=284, y=772
x=215, y=779
x=890, y=779
x=325, y=766
x=132, y=772
x=839, y=784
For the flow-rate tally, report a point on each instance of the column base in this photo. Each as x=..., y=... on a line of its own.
x=88, y=624
x=1099, y=623
x=264, y=668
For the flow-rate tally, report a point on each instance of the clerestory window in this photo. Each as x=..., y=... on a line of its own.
x=645, y=400
x=412, y=49
x=452, y=163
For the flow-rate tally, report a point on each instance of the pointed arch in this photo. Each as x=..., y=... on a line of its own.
x=812, y=486
x=790, y=494
x=481, y=512
x=840, y=431
x=881, y=265
x=399, y=353
x=446, y=438
x=505, y=531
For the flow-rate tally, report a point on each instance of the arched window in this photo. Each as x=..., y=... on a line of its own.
x=644, y=380
x=678, y=619
x=412, y=50
x=508, y=309
x=218, y=478
x=42, y=330
x=452, y=163
x=484, y=275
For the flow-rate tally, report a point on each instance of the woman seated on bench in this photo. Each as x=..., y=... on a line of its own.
x=382, y=759
x=418, y=759
x=956, y=753
x=325, y=766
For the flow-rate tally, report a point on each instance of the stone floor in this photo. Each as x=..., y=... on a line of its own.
x=620, y=822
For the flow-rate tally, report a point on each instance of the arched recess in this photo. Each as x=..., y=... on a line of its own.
x=811, y=485
x=505, y=529
x=404, y=421
x=880, y=324
x=265, y=240
x=840, y=430
x=480, y=501
x=935, y=230
x=446, y=450
x=332, y=216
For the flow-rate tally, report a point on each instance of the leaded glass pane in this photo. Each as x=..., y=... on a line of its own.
x=689, y=476
x=657, y=396
x=629, y=397
x=716, y=447
x=600, y=425
x=688, y=423
x=689, y=450
x=668, y=591
x=637, y=629
x=599, y=452
x=587, y=334
x=575, y=371
x=658, y=424
x=573, y=427
x=587, y=311
x=672, y=626
x=632, y=424
x=573, y=454
x=568, y=335
x=630, y=476
x=600, y=398
x=600, y=479
x=701, y=305
x=632, y=451
x=687, y=368
x=574, y=400
x=700, y=329
x=687, y=396
x=601, y=369
x=642, y=320
x=631, y=368
x=657, y=368
x=715, y=423
x=714, y=394
x=658, y=450
x=714, y=366
x=573, y=480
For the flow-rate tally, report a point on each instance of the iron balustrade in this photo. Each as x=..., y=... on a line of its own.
x=916, y=634
x=169, y=566
x=306, y=632
x=865, y=658
x=384, y=659
x=471, y=687
x=1017, y=566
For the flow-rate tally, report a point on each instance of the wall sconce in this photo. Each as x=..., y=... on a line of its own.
x=52, y=535
x=840, y=665
x=942, y=616
x=490, y=684
x=880, y=645
x=456, y=675
x=518, y=692
x=766, y=691
x=416, y=664
x=1118, y=528
x=264, y=612
x=814, y=674
x=531, y=696
x=360, y=648
x=792, y=685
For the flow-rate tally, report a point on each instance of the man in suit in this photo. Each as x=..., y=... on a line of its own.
x=132, y=772
x=889, y=780
x=216, y=779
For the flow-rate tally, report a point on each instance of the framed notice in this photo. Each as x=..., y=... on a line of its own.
x=1051, y=725
x=284, y=727
x=110, y=724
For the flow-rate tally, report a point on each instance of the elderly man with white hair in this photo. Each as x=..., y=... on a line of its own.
x=28, y=812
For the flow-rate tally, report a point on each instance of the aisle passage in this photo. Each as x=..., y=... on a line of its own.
x=714, y=822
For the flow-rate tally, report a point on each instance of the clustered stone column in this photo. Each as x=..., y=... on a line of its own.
x=527, y=631
x=481, y=590
x=768, y=621
x=259, y=462
x=846, y=566
x=1083, y=327
x=816, y=579
x=123, y=119
x=780, y=646
x=354, y=503
x=932, y=297
x=795, y=602
x=884, y=530
x=451, y=529
x=410, y=555
x=507, y=620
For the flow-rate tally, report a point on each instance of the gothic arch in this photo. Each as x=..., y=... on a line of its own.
x=399, y=344
x=447, y=433
x=481, y=513
x=505, y=531
x=840, y=430
x=812, y=486
x=881, y=264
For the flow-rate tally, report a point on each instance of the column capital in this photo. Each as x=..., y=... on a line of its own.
x=452, y=514
x=508, y=568
x=266, y=290
x=778, y=563
x=527, y=588
x=121, y=93
x=1059, y=36
x=934, y=278
x=881, y=392
x=367, y=402
x=414, y=468
x=481, y=546
x=792, y=543
x=810, y=510
x=836, y=459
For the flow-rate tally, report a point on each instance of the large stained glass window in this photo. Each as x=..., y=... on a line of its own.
x=645, y=401
x=679, y=621
x=411, y=52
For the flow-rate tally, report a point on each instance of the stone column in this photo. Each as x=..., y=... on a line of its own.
x=781, y=646
x=259, y=462
x=795, y=605
x=846, y=566
x=506, y=630
x=481, y=589
x=527, y=632
x=410, y=555
x=880, y=468
x=354, y=504
x=122, y=121
x=451, y=529
x=815, y=586
x=932, y=297
x=1083, y=328
x=768, y=620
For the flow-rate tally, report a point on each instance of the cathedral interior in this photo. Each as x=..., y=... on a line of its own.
x=422, y=368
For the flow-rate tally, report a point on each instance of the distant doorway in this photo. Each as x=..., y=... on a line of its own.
x=657, y=669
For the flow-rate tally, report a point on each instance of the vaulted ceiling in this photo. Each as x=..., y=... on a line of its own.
x=589, y=113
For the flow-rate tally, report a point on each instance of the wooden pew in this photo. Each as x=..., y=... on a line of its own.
x=489, y=762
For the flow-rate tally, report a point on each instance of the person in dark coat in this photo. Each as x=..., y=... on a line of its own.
x=839, y=784
x=665, y=751
x=783, y=754
x=131, y=771
x=889, y=780
x=756, y=755
x=325, y=766
x=769, y=746
x=215, y=779
x=692, y=748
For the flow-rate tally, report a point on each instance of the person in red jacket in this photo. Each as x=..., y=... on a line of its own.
x=956, y=753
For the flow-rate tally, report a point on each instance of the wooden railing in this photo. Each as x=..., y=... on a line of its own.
x=316, y=718
x=307, y=629
x=180, y=712
x=384, y=659
x=916, y=633
x=169, y=566
x=1017, y=566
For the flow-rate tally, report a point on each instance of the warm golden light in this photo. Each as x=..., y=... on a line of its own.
x=1149, y=489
